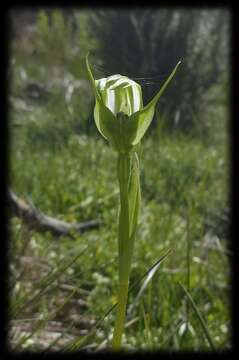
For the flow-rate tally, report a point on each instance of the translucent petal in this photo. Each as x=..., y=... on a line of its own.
x=127, y=99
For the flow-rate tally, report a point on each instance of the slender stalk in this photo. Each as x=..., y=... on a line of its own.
x=128, y=175
x=120, y=316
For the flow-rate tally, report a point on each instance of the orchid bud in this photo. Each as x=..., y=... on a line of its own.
x=120, y=94
x=119, y=113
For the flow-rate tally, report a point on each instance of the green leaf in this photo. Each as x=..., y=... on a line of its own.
x=105, y=120
x=92, y=80
x=144, y=117
x=107, y=124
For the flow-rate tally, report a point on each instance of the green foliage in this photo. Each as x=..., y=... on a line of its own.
x=73, y=182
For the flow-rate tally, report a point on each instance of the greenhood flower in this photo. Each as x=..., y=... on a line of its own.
x=119, y=113
x=122, y=119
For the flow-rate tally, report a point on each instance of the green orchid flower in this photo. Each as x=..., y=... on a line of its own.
x=119, y=113
x=122, y=119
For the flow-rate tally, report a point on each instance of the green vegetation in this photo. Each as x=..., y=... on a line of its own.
x=61, y=288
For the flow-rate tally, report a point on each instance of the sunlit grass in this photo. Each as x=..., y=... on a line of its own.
x=66, y=182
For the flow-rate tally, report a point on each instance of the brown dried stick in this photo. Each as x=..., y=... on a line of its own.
x=36, y=220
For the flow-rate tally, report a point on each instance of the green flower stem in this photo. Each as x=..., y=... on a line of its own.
x=122, y=119
x=128, y=175
x=120, y=316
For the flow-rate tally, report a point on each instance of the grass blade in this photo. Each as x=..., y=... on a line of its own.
x=42, y=285
x=200, y=318
x=76, y=344
x=41, y=324
x=149, y=275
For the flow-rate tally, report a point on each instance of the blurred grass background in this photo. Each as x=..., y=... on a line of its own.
x=60, y=164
